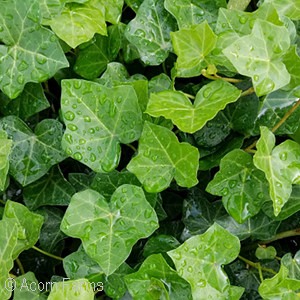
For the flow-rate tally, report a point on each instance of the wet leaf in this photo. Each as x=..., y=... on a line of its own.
x=5, y=149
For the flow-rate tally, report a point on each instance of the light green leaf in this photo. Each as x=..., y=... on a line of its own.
x=191, y=12
x=52, y=189
x=265, y=252
x=50, y=8
x=5, y=149
x=192, y=45
x=238, y=4
x=200, y=260
x=27, y=288
x=189, y=117
x=113, y=10
x=94, y=56
x=80, y=289
x=243, y=187
x=9, y=234
x=78, y=23
x=22, y=59
x=160, y=83
x=280, y=165
x=33, y=154
x=145, y=283
x=31, y=101
x=292, y=264
x=259, y=56
x=29, y=225
x=134, y=4
x=109, y=230
x=161, y=157
x=289, y=8
x=150, y=31
x=292, y=62
x=280, y=287
x=98, y=119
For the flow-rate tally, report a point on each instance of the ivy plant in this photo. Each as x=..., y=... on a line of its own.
x=149, y=149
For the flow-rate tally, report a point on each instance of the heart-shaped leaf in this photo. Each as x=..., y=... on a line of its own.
x=33, y=154
x=192, y=45
x=199, y=261
x=243, y=187
x=259, y=56
x=150, y=31
x=280, y=165
x=98, y=119
x=5, y=148
x=22, y=59
x=289, y=8
x=152, y=272
x=189, y=117
x=161, y=157
x=109, y=230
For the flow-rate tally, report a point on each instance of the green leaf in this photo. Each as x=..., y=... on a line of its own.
x=199, y=261
x=31, y=101
x=94, y=56
x=81, y=181
x=279, y=165
x=192, y=45
x=80, y=289
x=289, y=8
x=29, y=225
x=191, y=12
x=109, y=230
x=280, y=287
x=160, y=83
x=134, y=4
x=238, y=4
x=265, y=252
x=161, y=157
x=33, y=154
x=22, y=58
x=98, y=119
x=243, y=187
x=50, y=8
x=78, y=23
x=149, y=277
x=292, y=264
x=113, y=10
x=189, y=117
x=259, y=56
x=292, y=62
x=27, y=288
x=9, y=234
x=150, y=31
x=51, y=189
x=5, y=149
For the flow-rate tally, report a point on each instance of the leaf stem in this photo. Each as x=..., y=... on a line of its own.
x=47, y=253
x=189, y=96
x=248, y=92
x=20, y=266
x=281, y=235
x=217, y=77
x=2, y=201
x=257, y=266
x=131, y=147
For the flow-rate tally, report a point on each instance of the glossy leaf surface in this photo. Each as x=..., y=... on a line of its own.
x=5, y=149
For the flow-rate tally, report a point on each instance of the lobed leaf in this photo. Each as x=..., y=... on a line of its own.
x=5, y=149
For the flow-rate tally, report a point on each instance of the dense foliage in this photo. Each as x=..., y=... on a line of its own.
x=149, y=149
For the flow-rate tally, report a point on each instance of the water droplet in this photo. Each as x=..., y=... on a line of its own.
x=148, y=213
x=69, y=138
x=89, y=148
x=74, y=106
x=232, y=183
x=190, y=269
x=41, y=59
x=77, y=84
x=260, y=195
x=224, y=191
x=69, y=116
x=279, y=184
x=243, y=20
x=1, y=28
x=207, y=92
x=201, y=283
x=91, y=130
x=82, y=141
x=92, y=157
x=277, y=49
x=112, y=110
x=140, y=33
x=224, y=25
x=78, y=156
x=20, y=79
x=69, y=151
x=255, y=77
x=72, y=127
x=154, y=157
x=119, y=99
x=87, y=119
x=53, y=38
x=283, y=155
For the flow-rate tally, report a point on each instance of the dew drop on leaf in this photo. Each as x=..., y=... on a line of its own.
x=283, y=156
x=72, y=127
x=78, y=156
x=243, y=20
x=92, y=157
x=87, y=119
x=224, y=191
x=255, y=77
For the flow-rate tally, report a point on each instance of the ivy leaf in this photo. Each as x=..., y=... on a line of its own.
x=189, y=12
x=292, y=264
x=109, y=230
x=9, y=234
x=134, y=4
x=289, y=8
x=292, y=62
x=236, y=181
x=279, y=165
x=50, y=8
x=52, y=189
x=161, y=157
x=265, y=252
x=113, y=10
x=81, y=181
x=150, y=31
x=98, y=119
x=258, y=55
x=33, y=154
x=94, y=56
x=31, y=101
x=22, y=58
x=5, y=149
x=192, y=45
x=199, y=261
x=280, y=286
x=149, y=277
x=160, y=83
x=29, y=225
x=189, y=117
x=80, y=289
x=78, y=23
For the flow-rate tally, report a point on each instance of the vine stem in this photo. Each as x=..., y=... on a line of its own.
x=20, y=266
x=217, y=77
x=47, y=253
x=282, y=120
x=281, y=235
x=131, y=147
